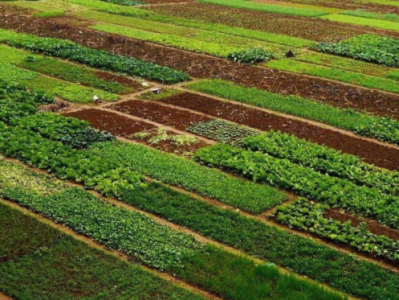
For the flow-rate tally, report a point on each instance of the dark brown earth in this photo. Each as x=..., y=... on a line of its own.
x=130, y=84
x=156, y=112
x=202, y=66
x=372, y=153
x=372, y=225
x=127, y=128
x=309, y=28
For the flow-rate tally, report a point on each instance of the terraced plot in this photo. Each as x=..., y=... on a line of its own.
x=200, y=149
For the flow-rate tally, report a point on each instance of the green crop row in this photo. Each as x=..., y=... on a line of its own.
x=269, y=8
x=65, y=162
x=324, y=159
x=349, y=64
x=372, y=15
x=367, y=47
x=65, y=90
x=303, y=181
x=16, y=101
x=125, y=2
x=53, y=264
x=70, y=131
x=359, y=20
x=74, y=73
x=222, y=131
x=308, y=216
x=148, y=20
x=302, y=255
x=333, y=73
x=383, y=129
x=179, y=171
x=91, y=57
x=228, y=275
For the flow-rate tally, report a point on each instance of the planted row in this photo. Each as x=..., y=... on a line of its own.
x=163, y=248
x=95, y=58
x=367, y=47
x=301, y=255
x=53, y=264
x=222, y=131
x=309, y=217
x=304, y=181
x=179, y=171
x=69, y=131
x=67, y=163
x=323, y=159
x=383, y=129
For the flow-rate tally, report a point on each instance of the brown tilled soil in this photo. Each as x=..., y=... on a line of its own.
x=127, y=128
x=156, y=112
x=372, y=225
x=202, y=66
x=113, y=123
x=308, y=28
x=343, y=4
x=371, y=152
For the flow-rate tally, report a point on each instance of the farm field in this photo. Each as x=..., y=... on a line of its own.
x=199, y=149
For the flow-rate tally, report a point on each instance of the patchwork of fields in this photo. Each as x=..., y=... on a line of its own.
x=199, y=149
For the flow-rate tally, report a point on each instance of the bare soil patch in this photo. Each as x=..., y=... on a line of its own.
x=310, y=28
x=156, y=112
x=372, y=225
x=128, y=128
x=372, y=153
x=203, y=66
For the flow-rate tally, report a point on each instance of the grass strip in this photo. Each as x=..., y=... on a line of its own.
x=323, y=159
x=383, y=129
x=349, y=64
x=75, y=73
x=282, y=173
x=366, y=47
x=231, y=276
x=37, y=261
x=309, y=217
x=371, y=15
x=94, y=58
x=357, y=20
x=370, y=82
x=302, y=255
x=270, y=8
x=179, y=171
x=192, y=44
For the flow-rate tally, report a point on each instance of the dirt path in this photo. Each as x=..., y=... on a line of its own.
x=4, y=297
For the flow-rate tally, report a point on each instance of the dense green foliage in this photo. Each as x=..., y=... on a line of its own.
x=125, y=2
x=367, y=47
x=191, y=176
x=91, y=57
x=67, y=163
x=333, y=73
x=308, y=216
x=251, y=56
x=384, y=129
x=70, y=131
x=299, y=254
x=16, y=101
x=231, y=276
x=222, y=131
x=324, y=159
x=53, y=266
x=304, y=181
